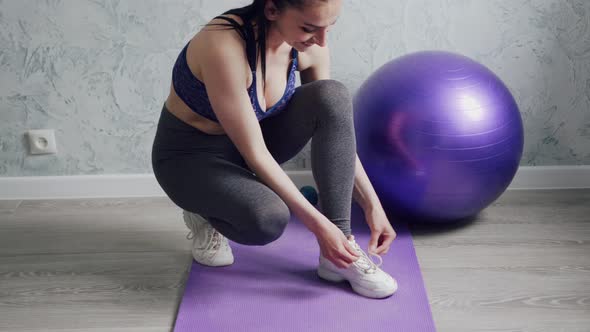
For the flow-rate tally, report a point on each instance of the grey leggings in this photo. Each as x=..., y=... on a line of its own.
x=205, y=174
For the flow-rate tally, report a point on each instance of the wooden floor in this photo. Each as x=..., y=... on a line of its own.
x=121, y=265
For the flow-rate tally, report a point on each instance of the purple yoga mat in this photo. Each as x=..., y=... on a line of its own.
x=276, y=288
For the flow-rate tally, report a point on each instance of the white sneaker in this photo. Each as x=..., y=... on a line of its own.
x=209, y=246
x=365, y=277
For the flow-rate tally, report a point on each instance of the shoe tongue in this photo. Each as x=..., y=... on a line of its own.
x=363, y=259
x=365, y=263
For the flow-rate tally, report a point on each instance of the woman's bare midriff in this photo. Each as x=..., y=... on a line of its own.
x=177, y=107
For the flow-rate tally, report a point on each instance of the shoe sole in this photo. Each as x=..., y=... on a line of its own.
x=229, y=260
x=334, y=277
x=214, y=265
x=206, y=263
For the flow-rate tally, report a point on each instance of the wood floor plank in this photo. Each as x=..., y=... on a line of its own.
x=8, y=207
x=85, y=291
x=96, y=205
x=77, y=226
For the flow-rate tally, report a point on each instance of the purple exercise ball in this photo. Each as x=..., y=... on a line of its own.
x=439, y=135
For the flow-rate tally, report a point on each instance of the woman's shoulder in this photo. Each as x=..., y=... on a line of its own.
x=219, y=27
x=313, y=56
x=217, y=36
x=215, y=43
x=222, y=19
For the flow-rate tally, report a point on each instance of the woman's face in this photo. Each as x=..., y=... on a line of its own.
x=304, y=27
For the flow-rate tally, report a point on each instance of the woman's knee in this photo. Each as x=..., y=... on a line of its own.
x=268, y=223
x=331, y=97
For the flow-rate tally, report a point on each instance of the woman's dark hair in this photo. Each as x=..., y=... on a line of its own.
x=254, y=14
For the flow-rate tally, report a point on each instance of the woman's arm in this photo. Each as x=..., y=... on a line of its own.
x=314, y=64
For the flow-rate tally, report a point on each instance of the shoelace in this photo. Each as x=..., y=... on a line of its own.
x=365, y=262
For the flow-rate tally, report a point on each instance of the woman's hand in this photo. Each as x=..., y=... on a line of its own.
x=382, y=233
x=334, y=246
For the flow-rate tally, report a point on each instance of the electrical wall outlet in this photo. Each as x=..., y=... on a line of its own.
x=42, y=141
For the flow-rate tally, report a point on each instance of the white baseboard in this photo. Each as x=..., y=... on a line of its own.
x=145, y=185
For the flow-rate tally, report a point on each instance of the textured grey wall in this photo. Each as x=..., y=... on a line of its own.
x=98, y=70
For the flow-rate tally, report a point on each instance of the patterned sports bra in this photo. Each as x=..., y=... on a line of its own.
x=194, y=93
